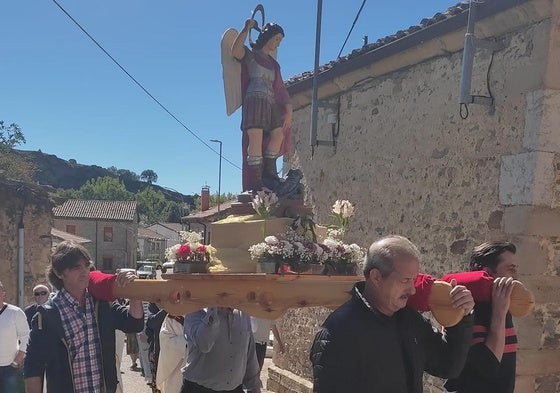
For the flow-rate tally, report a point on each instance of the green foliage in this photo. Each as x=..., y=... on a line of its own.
x=152, y=204
x=149, y=176
x=154, y=207
x=12, y=165
x=127, y=176
x=104, y=188
x=15, y=167
x=10, y=136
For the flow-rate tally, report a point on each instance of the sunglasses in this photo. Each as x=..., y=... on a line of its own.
x=42, y=293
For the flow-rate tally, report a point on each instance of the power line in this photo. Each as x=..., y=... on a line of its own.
x=142, y=87
x=351, y=28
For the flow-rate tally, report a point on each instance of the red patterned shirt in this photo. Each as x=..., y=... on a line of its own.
x=82, y=339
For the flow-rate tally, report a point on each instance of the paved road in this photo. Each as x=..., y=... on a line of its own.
x=133, y=382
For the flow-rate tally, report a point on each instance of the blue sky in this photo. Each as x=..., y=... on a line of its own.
x=72, y=101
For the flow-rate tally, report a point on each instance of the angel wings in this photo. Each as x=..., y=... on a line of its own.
x=231, y=73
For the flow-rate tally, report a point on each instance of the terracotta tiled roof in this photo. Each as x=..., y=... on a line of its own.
x=451, y=19
x=68, y=236
x=145, y=233
x=97, y=210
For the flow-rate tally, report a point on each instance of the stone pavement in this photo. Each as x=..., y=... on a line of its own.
x=133, y=382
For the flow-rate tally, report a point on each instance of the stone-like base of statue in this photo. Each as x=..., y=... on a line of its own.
x=233, y=236
x=285, y=207
x=289, y=191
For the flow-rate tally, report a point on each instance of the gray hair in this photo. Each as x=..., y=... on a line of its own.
x=382, y=253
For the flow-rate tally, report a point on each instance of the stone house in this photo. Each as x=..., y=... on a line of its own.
x=168, y=230
x=151, y=245
x=59, y=236
x=414, y=167
x=112, y=227
x=27, y=207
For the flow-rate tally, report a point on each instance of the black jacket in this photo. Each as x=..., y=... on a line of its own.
x=360, y=350
x=47, y=349
x=29, y=312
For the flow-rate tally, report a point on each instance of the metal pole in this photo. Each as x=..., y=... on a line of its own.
x=219, y=173
x=21, y=264
x=314, y=104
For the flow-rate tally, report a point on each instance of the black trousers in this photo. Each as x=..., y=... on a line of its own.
x=261, y=353
x=191, y=387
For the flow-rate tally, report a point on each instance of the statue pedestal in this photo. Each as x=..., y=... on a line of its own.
x=285, y=208
x=233, y=236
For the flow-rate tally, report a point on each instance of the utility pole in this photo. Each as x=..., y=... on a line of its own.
x=219, y=173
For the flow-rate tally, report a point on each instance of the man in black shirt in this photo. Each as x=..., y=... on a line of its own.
x=491, y=361
x=41, y=295
x=375, y=343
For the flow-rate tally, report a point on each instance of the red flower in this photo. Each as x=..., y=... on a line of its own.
x=201, y=248
x=184, y=251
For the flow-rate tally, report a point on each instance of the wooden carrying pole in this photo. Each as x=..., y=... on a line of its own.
x=271, y=295
x=260, y=295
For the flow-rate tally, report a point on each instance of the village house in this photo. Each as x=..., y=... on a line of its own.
x=112, y=227
x=151, y=245
x=168, y=230
x=59, y=236
x=415, y=163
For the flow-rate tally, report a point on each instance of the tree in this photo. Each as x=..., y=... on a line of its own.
x=13, y=165
x=104, y=188
x=154, y=207
x=149, y=176
x=10, y=136
x=127, y=176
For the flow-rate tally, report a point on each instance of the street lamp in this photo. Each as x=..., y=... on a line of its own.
x=219, y=173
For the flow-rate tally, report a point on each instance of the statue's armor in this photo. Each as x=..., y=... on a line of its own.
x=260, y=80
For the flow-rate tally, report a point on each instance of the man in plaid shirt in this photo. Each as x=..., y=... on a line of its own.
x=73, y=335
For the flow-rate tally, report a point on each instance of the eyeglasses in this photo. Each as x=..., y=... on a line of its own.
x=42, y=293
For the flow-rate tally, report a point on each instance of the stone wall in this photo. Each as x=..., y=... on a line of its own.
x=17, y=198
x=413, y=167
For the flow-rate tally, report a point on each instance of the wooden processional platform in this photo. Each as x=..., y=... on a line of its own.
x=258, y=294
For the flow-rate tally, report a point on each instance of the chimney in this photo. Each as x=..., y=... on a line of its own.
x=205, y=198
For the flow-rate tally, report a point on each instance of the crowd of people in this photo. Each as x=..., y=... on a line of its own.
x=66, y=341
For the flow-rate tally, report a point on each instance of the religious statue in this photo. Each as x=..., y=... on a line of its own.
x=252, y=80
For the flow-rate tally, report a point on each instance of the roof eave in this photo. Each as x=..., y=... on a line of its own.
x=418, y=37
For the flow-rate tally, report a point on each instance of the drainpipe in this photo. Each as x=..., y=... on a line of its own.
x=21, y=261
